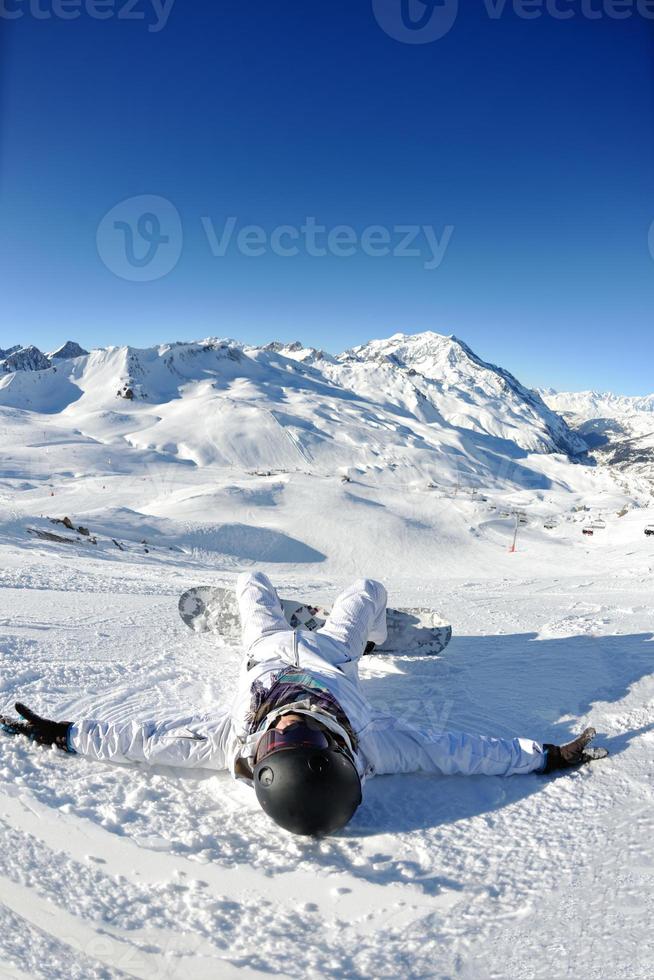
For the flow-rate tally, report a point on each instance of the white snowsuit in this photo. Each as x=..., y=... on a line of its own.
x=326, y=661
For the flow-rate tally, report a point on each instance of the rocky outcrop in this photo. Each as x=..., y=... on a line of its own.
x=25, y=359
x=68, y=350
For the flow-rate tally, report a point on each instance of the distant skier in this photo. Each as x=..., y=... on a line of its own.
x=300, y=729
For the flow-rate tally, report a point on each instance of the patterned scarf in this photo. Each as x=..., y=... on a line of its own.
x=288, y=687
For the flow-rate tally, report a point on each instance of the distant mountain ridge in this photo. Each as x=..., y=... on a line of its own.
x=30, y=358
x=424, y=403
x=11, y=350
x=619, y=429
x=596, y=404
x=23, y=359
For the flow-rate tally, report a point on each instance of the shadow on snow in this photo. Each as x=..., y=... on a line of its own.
x=505, y=685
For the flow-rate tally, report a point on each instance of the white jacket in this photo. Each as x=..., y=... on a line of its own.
x=326, y=660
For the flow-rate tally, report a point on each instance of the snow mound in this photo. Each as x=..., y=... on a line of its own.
x=256, y=544
x=48, y=392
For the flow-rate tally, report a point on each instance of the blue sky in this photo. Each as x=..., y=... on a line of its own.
x=514, y=157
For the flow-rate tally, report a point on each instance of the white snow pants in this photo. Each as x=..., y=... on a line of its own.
x=358, y=615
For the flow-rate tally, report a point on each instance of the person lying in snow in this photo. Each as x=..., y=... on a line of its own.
x=300, y=728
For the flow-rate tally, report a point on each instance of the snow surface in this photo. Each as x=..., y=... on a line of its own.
x=229, y=458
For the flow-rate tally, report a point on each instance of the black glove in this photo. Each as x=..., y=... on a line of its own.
x=573, y=753
x=37, y=729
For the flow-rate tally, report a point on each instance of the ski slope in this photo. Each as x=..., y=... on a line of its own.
x=119, y=871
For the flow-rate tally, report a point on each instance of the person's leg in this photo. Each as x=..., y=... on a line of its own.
x=358, y=615
x=259, y=606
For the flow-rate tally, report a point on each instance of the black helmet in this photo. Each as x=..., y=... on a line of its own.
x=305, y=781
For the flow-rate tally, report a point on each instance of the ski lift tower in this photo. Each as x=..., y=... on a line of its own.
x=520, y=518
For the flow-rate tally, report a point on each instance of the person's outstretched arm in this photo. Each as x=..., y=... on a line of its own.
x=395, y=746
x=188, y=742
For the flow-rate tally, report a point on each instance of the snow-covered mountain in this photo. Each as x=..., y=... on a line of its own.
x=11, y=350
x=30, y=358
x=597, y=404
x=619, y=429
x=425, y=404
x=468, y=392
x=66, y=351
x=23, y=359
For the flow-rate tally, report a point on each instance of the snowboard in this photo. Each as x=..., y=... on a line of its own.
x=411, y=632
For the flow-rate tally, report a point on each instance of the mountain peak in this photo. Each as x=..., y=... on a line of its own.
x=466, y=391
x=68, y=350
x=24, y=359
x=10, y=350
x=411, y=347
